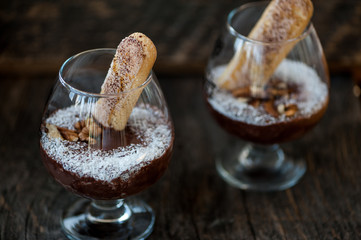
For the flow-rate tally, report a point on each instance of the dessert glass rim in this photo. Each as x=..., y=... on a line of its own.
x=235, y=33
x=91, y=94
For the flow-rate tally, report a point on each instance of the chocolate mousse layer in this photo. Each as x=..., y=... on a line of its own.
x=277, y=132
x=117, y=171
x=294, y=101
x=103, y=190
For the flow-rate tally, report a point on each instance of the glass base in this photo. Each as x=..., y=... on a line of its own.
x=132, y=219
x=259, y=168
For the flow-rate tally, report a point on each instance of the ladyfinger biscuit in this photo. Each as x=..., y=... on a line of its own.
x=253, y=64
x=131, y=65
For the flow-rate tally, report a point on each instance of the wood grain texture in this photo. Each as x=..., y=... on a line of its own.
x=37, y=35
x=191, y=201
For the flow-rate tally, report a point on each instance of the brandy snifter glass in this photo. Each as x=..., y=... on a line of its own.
x=265, y=111
x=103, y=165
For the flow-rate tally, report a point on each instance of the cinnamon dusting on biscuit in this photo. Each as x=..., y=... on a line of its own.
x=131, y=65
x=282, y=20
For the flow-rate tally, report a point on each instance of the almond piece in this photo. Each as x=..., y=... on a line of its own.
x=68, y=134
x=85, y=131
x=53, y=132
x=290, y=110
x=83, y=137
x=270, y=108
x=84, y=134
x=79, y=125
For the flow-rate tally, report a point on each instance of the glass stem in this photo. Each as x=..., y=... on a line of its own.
x=109, y=216
x=256, y=156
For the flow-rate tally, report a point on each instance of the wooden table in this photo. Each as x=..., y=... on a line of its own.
x=191, y=201
x=38, y=35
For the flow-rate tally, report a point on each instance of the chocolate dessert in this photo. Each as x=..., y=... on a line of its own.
x=294, y=102
x=260, y=95
x=87, y=169
x=107, y=145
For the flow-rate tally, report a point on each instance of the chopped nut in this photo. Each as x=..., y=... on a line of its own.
x=68, y=134
x=270, y=108
x=241, y=92
x=79, y=125
x=83, y=137
x=53, y=132
x=290, y=110
x=84, y=134
x=85, y=131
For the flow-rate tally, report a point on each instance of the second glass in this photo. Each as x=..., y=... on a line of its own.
x=263, y=110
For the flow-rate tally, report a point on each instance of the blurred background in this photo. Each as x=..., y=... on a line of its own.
x=38, y=35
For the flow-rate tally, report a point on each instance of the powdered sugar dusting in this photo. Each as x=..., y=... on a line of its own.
x=313, y=95
x=148, y=123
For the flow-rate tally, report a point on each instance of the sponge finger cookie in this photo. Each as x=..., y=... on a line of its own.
x=130, y=68
x=257, y=59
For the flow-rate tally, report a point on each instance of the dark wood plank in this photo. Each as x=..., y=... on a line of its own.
x=37, y=35
x=191, y=201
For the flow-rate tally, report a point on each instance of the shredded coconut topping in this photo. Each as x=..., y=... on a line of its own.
x=312, y=96
x=147, y=123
